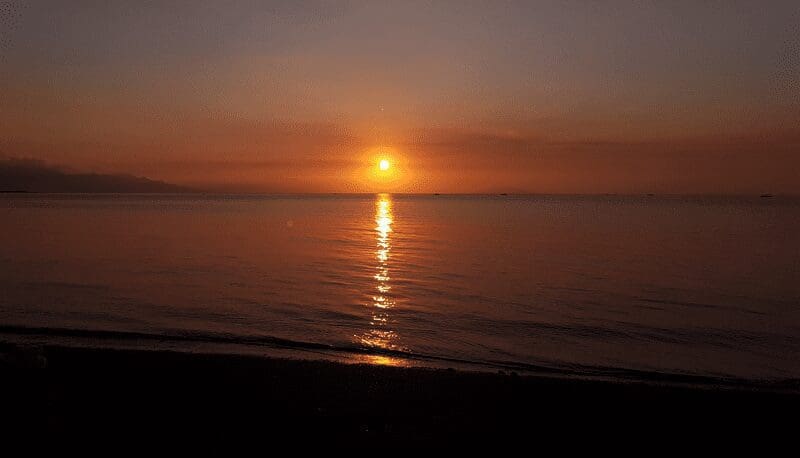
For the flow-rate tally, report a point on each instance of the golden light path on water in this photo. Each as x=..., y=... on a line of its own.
x=380, y=335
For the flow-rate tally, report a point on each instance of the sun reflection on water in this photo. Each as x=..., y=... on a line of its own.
x=380, y=335
x=382, y=360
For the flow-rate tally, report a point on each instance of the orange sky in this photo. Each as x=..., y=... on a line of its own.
x=463, y=97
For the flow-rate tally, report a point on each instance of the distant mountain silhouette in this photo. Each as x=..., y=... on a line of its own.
x=27, y=175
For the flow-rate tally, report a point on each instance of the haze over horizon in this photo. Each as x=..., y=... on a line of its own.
x=544, y=97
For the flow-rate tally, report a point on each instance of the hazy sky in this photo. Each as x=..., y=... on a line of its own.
x=573, y=97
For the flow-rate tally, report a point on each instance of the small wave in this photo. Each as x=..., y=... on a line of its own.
x=552, y=369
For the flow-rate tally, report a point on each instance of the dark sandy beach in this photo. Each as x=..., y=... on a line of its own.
x=139, y=394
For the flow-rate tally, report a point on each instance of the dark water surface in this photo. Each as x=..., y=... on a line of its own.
x=687, y=285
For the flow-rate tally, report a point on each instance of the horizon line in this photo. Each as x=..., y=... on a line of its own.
x=493, y=193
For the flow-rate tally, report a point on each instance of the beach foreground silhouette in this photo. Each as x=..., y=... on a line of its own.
x=85, y=392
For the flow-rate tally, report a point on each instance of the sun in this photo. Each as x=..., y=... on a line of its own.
x=384, y=164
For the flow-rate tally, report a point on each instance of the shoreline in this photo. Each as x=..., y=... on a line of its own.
x=62, y=389
x=269, y=347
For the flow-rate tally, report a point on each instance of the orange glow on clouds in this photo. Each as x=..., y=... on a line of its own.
x=466, y=100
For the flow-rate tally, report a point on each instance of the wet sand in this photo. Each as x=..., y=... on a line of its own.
x=139, y=394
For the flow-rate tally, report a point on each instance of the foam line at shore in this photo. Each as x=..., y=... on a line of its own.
x=552, y=370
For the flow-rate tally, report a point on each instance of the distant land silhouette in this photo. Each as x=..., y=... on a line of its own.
x=30, y=175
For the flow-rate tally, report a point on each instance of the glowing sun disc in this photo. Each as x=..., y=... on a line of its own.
x=384, y=164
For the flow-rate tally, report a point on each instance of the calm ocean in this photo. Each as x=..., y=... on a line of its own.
x=586, y=285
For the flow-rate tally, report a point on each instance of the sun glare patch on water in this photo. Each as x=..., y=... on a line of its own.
x=380, y=335
x=382, y=360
